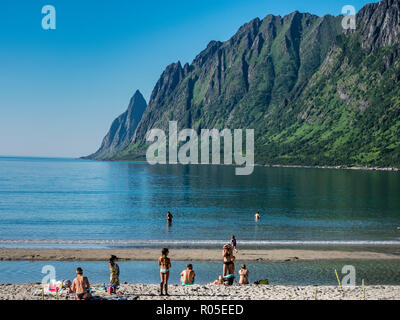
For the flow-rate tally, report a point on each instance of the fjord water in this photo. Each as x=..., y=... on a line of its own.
x=278, y=273
x=68, y=202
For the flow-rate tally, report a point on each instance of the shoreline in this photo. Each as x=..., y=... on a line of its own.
x=337, y=167
x=208, y=255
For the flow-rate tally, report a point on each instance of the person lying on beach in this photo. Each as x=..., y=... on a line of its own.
x=219, y=281
x=114, y=274
x=81, y=286
x=229, y=259
x=244, y=275
x=165, y=264
x=187, y=276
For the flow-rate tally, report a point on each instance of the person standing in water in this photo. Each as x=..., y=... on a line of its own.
x=233, y=243
x=169, y=217
x=257, y=216
x=114, y=274
x=165, y=264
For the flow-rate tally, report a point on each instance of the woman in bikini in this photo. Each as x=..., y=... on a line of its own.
x=229, y=259
x=165, y=264
x=81, y=286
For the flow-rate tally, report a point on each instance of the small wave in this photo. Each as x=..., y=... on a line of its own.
x=205, y=243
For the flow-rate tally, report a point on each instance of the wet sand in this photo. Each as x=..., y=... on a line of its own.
x=188, y=255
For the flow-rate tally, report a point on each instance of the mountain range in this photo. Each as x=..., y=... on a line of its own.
x=315, y=93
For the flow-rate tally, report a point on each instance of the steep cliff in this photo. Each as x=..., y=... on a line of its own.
x=122, y=129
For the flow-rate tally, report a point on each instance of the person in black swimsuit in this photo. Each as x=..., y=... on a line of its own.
x=169, y=217
x=229, y=260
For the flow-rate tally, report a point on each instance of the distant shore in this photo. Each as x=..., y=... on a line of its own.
x=339, y=167
x=332, y=167
x=188, y=255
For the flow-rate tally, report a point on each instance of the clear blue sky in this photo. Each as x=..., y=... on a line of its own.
x=60, y=89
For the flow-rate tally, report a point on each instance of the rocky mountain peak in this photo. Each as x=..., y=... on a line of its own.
x=122, y=129
x=379, y=24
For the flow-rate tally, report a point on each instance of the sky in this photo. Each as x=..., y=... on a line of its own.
x=61, y=89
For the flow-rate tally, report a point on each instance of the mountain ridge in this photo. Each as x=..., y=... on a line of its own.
x=275, y=75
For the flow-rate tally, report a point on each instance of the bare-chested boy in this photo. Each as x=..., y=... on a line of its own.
x=187, y=276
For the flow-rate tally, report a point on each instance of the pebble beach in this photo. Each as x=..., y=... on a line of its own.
x=213, y=292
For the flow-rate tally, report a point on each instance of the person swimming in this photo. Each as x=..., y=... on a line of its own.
x=244, y=275
x=114, y=274
x=188, y=275
x=165, y=264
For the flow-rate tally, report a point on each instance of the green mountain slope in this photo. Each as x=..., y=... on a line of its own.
x=313, y=95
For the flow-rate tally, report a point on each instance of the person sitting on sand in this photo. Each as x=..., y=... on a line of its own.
x=257, y=216
x=229, y=259
x=67, y=285
x=187, y=276
x=81, y=286
x=219, y=281
x=244, y=275
x=114, y=274
x=165, y=264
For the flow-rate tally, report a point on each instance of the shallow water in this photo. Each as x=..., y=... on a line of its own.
x=65, y=202
x=279, y=273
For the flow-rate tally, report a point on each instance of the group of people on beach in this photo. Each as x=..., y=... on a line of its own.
x=81, y=286
x=188, y=275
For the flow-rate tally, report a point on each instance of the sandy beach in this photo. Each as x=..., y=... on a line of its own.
x=188, y=255
x=213, y=292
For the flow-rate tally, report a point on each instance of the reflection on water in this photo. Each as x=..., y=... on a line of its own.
x=59, y=199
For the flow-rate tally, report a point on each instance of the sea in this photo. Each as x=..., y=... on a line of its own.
x=74, y=203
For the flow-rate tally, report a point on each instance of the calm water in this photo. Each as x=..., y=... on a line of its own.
x=278, y=273
x=74, y=203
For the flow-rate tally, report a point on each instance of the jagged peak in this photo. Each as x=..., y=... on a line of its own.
x=379, y=24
